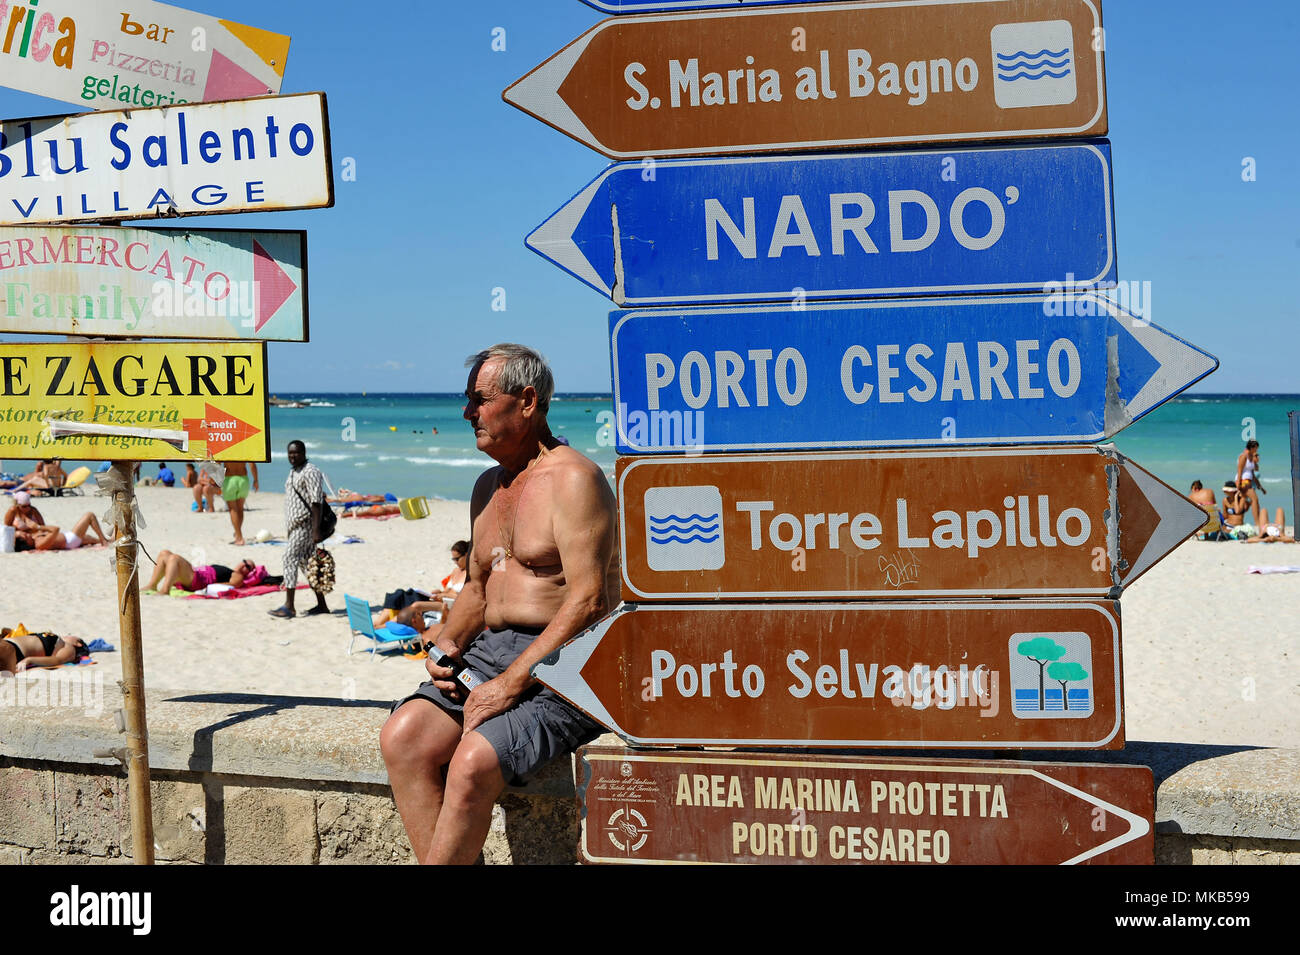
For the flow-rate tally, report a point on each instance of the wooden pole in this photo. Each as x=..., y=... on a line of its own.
x=137, y=731
x=1293, y=424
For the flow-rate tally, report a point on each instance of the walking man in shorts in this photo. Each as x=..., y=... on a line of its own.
x=234, y=489
x=542, y=568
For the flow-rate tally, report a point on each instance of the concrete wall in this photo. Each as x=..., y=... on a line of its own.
x=242, y=778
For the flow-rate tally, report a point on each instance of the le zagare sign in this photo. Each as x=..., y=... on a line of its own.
x=139, y=54
x=263, y=154
x=134, y=401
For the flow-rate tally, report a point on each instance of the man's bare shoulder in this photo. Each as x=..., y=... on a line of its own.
x=575, y=473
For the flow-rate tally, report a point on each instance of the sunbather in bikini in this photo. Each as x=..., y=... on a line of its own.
x=1272, y=533
x=173, y=570
x=17, y=653
x=85, y=531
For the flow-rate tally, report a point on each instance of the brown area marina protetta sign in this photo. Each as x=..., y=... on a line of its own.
x=699, y=808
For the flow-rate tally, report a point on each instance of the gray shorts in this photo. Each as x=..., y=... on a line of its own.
x=532, y=732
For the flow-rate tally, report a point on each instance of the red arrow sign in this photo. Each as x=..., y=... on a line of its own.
x=691, y=808
x=272, y=286
x=219, y=430
x=968, y=674
x=985, y=522
x=825, y=76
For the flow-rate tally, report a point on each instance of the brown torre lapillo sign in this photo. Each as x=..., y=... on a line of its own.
x=826, y=76
x=967, y=674
x=746, y=808
x=894, y=524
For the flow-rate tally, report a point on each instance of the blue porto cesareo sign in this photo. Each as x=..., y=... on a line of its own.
x=1060, y=368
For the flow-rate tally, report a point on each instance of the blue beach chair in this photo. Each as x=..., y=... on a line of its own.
x=359, y=620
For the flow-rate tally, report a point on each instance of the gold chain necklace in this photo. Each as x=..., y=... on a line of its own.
x=510, y=543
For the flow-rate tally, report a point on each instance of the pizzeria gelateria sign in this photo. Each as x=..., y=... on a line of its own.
x=140, y=54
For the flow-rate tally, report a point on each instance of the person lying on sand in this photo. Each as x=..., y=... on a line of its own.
x=85, y=531
x=374, y=510
x=1273, y=533
x=345, y=496
x=173, y=570
x=18, y=652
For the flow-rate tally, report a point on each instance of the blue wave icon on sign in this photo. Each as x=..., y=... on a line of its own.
x=1026, y=701
x=692, y=528
x=1023, y=65
x=683, y=528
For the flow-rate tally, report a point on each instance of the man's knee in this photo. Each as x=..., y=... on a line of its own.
x=419, y=733
x=475, y=769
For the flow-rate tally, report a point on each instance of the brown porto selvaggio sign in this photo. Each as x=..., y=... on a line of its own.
x=747, y=808
x=989, y=674
x=977, y=523
x=826, y=76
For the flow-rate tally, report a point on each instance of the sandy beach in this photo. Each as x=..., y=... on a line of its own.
x=1210, y=654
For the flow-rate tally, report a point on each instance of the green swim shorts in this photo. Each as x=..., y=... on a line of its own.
x=234, y=487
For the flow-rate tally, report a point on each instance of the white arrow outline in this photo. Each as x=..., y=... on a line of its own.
x=553, y=239
x=1181, y=363
x=538, y=93
x=1169, y=507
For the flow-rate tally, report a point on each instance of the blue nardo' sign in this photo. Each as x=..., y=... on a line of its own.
x=1041, y=369
x=840, y=226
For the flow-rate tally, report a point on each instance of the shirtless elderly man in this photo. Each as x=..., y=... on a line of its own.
x=542, y=568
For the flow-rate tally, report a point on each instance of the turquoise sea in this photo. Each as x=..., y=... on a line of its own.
x=378, y=443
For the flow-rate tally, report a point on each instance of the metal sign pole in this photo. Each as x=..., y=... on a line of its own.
x=137, y=731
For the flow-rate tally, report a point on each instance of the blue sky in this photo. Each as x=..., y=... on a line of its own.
x=449, y=180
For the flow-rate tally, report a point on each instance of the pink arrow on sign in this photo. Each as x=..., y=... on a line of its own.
x=228, y=80
x=272, y=286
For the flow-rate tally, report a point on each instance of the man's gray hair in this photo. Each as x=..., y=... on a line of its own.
x=521, y=368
